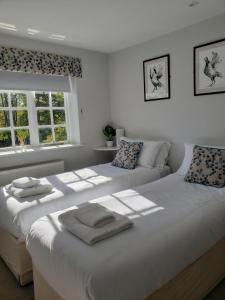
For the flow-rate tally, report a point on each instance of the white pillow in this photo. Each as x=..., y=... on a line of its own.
x=149, y=151
x=188, y=154
x=188, y=157
x=163, y=155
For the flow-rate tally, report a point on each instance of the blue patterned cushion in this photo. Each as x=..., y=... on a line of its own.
x=127, y=155
x=207, y=167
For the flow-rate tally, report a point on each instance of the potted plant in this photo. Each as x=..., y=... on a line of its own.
x=109, y=133
x=22, y=135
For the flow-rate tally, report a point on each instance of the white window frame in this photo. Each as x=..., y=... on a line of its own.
x=33, y=122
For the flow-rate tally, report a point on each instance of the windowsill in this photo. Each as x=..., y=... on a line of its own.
x=38, y=149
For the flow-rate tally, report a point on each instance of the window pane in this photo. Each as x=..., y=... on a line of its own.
x=18, y=100
x=45, y=135
x=4, y=100
x=22, y=137
x=20, y=118
x=58, y=99
x=41, y=99
x=5, y=139
x=59, y=116
x=4, y=118
x=44, y=117
x=60, y=134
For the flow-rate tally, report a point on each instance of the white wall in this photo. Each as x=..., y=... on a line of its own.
x=183, y=117
x=93, y=97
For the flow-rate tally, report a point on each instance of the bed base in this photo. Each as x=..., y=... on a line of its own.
x=193, y=283
x=15, y=255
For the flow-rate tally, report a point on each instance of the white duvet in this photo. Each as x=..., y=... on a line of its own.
x=70, y=188
x=175, y=222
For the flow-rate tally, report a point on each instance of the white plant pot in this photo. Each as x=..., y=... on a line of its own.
x=109, y=143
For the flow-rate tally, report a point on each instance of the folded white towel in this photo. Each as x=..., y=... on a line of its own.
x=28, y=192
x=25, y=182
x=91, y=235
x=94, y=215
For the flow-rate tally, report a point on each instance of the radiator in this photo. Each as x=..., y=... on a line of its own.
x=36, y=170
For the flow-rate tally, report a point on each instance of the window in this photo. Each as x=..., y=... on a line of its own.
x=33, y=118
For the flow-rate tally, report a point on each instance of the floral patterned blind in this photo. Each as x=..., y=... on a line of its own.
x=37, y=62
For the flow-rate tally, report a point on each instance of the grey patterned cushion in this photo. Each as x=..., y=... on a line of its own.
x=127, y=155
x=207, y=167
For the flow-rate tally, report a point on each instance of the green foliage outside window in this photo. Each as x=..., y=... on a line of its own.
x=20, y=118
x=43, y=117
x=60, y=134
x=58, y=99
x=59, y=116
x=41, y=99
x=18, y=100
x=4, y=100
x=45, y=135
x=14, y=113
x=5, y=139
x=4, y=118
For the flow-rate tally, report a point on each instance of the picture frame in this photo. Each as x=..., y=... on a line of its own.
x=156, y=77
x=209, y=68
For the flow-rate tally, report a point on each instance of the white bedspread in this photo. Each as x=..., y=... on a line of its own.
x=174, y=224
x=18, y=214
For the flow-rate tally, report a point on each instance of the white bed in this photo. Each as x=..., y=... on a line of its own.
x=175, y=223
x=18, y=214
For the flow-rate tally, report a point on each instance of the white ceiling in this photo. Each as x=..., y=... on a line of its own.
x=102, y=25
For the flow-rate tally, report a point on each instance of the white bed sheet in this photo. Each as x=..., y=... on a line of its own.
x=18, y=214
x=175, y=222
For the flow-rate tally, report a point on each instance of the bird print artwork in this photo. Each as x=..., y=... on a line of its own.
x=210, y=69
x=155, y=75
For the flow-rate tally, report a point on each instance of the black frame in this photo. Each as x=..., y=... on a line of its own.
x=168, y=72
x=194, y=67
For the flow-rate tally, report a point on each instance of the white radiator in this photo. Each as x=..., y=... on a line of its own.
x=36, y=170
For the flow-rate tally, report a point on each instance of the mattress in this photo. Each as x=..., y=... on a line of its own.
x=175, y=222
x=17, y=214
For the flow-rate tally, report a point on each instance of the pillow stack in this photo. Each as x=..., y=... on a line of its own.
x=151, y=153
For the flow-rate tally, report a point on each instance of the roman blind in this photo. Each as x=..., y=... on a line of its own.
x=33, y=82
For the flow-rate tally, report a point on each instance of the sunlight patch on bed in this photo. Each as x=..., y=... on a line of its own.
x=129, y=203
x=68, y=177
x=81, y=185
x=113, y=204
x=134, y=217
x=86, y=173
x=99, y=179
x=151, y=211
x=135, y=201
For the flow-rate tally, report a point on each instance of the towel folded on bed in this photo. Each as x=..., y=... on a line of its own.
x=25, y=182
x=28, y=192
x=92, y=235
x=94, y=215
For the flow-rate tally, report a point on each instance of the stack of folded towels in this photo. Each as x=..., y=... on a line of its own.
x=27, y=187
x=93, y=223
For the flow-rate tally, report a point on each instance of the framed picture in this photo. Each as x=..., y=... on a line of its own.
x=156, y=72
x=209, y=68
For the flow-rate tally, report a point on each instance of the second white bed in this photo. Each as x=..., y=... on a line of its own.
x=175, y=222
